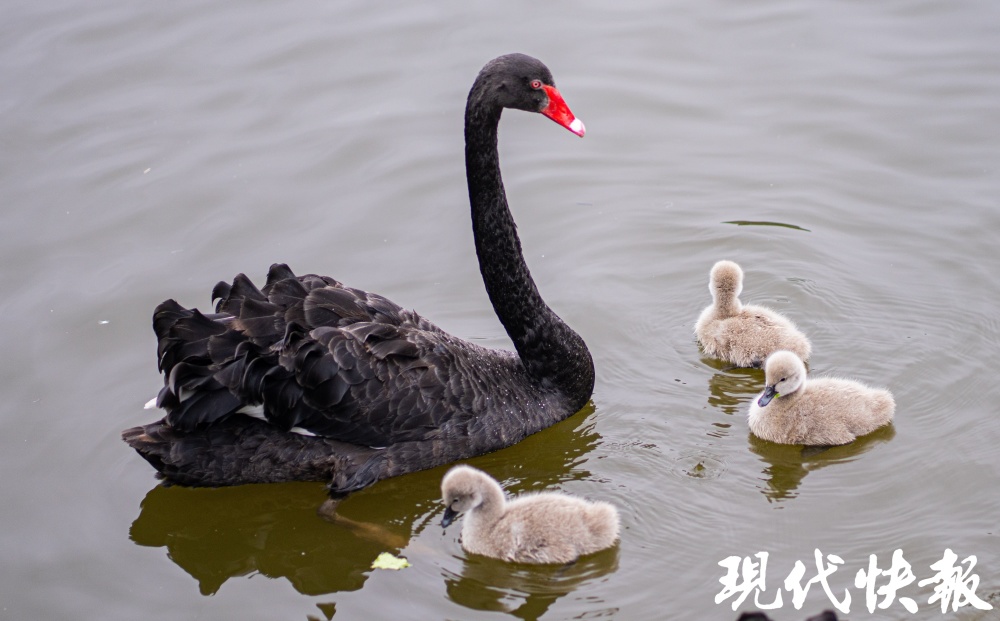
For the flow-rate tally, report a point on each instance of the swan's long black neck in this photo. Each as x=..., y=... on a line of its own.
x=553, y=354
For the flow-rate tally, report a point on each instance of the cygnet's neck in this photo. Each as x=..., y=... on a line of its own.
x=727, y=303
x=491, y=508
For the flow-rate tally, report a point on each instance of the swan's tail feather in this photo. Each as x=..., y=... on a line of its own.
x=216, y=364
x=232, y=297
x=220, y=292
x=182, y=334
x=277, y=273
x=288, y=294
x=190, y=346
x=261, y=320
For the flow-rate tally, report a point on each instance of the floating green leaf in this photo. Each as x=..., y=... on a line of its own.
x=388, y=561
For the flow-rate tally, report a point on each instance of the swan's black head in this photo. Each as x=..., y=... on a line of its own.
x=524, y=83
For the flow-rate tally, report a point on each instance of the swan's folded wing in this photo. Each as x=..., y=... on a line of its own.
x=308, y=353
x=372, y=384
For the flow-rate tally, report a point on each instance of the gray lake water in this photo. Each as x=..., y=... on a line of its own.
x=847, y=154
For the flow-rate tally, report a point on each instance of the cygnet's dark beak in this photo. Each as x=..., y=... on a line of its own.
x=449, y=517
x=765, y=398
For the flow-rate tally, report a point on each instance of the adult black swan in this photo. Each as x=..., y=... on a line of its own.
x=345, y=386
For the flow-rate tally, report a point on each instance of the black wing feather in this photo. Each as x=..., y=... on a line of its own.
x=336, y=361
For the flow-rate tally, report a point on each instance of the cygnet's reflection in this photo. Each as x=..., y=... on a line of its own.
x=525, y=591
x=787, y=464
x=731, y=388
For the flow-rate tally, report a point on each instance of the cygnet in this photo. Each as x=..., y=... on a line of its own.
x=547, y=527
x=743, y=335
x=823, y=411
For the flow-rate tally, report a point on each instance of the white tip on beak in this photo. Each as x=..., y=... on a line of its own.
x=577, y=127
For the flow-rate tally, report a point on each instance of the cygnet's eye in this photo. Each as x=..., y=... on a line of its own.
x=536, y=84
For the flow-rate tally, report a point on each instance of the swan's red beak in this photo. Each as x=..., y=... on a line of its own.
x=558, y=111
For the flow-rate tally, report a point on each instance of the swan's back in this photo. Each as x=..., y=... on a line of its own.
x=551, y=527
x=860, y=409
x=747, y=338
x=821, y=411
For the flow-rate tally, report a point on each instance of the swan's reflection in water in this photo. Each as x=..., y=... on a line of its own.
x=731, y=388
x=273, y=530
x=276, y=529
x=788, y=464
x=526, y=591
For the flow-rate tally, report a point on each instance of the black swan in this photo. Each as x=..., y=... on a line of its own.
x=344, y=386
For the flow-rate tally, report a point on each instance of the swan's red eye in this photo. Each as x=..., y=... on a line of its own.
x=536, y=84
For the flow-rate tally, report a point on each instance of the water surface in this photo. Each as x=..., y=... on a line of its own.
x=846, y=154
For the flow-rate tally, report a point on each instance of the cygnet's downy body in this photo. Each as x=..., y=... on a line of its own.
x=743, y=335
x=822, y=412
x=547, y=527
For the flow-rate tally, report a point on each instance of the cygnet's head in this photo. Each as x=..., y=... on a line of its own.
x=784, y=373
x=462, y=490
x=726, y=281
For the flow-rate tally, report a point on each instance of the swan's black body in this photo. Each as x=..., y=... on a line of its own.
x=384, y=391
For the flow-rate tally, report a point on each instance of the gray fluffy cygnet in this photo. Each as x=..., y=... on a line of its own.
x=824, y=411
x=743, y=335
x=546, y=527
